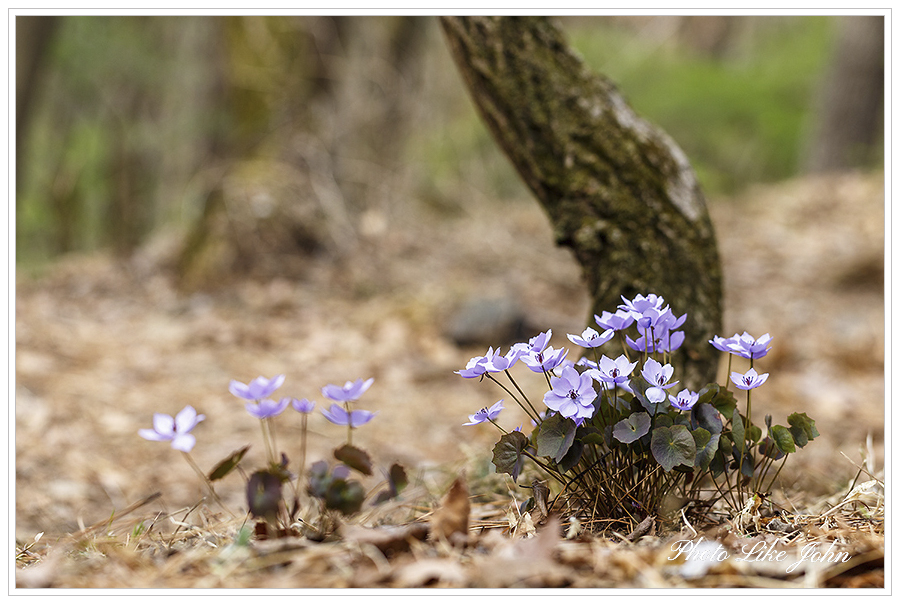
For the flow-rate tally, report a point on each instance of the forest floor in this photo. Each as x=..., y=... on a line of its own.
x=102, y=344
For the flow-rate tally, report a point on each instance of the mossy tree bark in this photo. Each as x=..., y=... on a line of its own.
x=618, y=191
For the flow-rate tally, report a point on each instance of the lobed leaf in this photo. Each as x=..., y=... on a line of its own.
x=803, y=429
x=632, y=427
x=707, y=417
x=707, y=444
x=555, y=436
x=509, y=454
x=673, y=446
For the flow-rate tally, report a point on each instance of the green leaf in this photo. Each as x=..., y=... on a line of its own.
x=397, y=481
x=354, y=458
x=264, y=494
x=768, y=448
x=555, y=436
x=707, y=445
x=344, y=496
x=673, y=446
x=737, y=432
x=803, y=429
x=508, y=453
x=228, y=464
x=632, y=427
x=725, y=402
x=783, y=439
x=754, y=434
x=571, y=458
x=707, y=393
x=707, y=417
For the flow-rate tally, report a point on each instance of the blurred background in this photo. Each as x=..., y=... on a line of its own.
x=125, y=124
x=201, y=199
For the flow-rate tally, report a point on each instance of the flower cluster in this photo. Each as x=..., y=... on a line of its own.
x=264, y=487
x=604, y=414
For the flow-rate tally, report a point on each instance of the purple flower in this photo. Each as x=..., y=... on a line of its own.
x=350, y=391
x=258, y=389
x=572, y=394
x=639, y=304
x=685, y=400
x=267, y=408
x=749, y=380
x=744, y=345
x=663, y=341
x=617, y=321
x=657, y=376
x=303, y=405
x=616, y=371
x=476, y=365
x=546, y=360
x=177, y=430
x=498, y=362
x=338, y=415
x=591, y=339
x=540, y=341
x=486, y=414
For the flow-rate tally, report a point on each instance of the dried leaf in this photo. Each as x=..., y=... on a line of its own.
x=452, y=517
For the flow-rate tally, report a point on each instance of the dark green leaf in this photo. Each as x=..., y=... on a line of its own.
x=228, y=464
x=344, y=496
x=725, y=402
x=754, y=434
x=632, y=427
x=508, y=453
x=555, y=436
x=707, y=417
x=664, y=420
x=707, y=393
x=397, y=481
x=767, y=447
x=264, y=494
x=783, y=439
x=707, y=445
x=737, y=432
x=354, y=458
x=572, y=457
x=800, y=423
x=673, y=446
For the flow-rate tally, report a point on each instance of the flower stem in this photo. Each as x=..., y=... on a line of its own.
x=206, y=481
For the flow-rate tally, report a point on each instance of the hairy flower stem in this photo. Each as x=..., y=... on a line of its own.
x=267, y=440
x=349, y=423
x=302, y=466
x=533, y=416
x=771, y=482
x=207, y=482
x=537, y=415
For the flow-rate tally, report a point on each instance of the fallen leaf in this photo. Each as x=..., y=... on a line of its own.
x=451, y=520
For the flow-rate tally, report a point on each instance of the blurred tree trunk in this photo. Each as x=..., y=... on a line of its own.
x=850, y=115
x=33, y=36
x=618, y=191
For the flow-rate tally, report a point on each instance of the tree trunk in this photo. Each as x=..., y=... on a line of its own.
x=618, y=191
x=850, y=117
